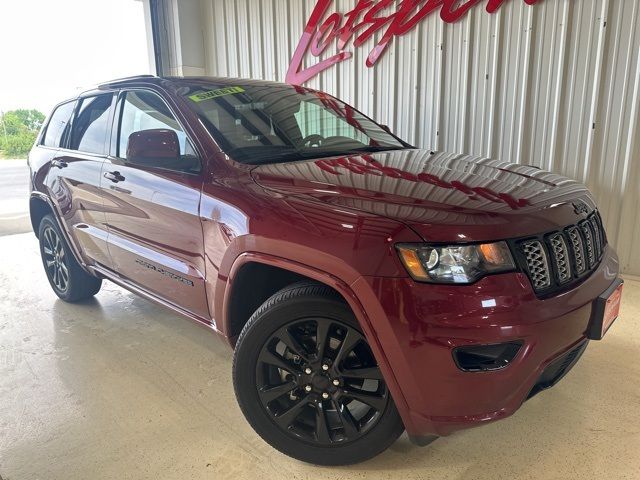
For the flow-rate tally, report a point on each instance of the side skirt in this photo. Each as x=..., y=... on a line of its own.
x=126, y=284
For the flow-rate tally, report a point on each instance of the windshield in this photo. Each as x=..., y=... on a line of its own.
x=259, y=124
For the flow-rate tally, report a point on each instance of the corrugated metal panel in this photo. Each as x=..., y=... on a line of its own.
x=556, y=85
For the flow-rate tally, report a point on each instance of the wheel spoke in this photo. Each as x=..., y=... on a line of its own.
x=62, y=281
x=47, y=237
x=49, y=241
x=351, y=339
x=48, y=251
x=372, y=373
x=374, y=400
x=322, y=428
x=64, y=270
x=285, y=336
x=276, y=360
x=322, y=331
x=63, y=278
x=286, y=418
x=269, y=394
x=348, y=422
x=50, y=263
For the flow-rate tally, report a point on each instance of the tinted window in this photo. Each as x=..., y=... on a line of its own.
x=147, y=111
x=263, y=123
x=90, y=127
x=58, y=125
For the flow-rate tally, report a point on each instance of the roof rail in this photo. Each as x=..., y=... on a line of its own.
x=124, y=79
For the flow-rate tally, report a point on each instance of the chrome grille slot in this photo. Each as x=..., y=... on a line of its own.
x=578, y=250
x=588, y=241
x=538, y=264
x=556, y=260
x=560, y=256
x=596, y=230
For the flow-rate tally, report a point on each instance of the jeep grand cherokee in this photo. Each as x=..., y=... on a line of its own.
x=367, y=287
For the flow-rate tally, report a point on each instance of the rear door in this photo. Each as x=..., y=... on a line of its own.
x=76, y=170
x=152, y=210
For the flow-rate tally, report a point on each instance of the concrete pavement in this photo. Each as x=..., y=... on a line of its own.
x=14, y=197
x=119, y=388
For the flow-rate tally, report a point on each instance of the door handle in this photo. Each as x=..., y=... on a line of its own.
x=59, y=164
x=115, y=177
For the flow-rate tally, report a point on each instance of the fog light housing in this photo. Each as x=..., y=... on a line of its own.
x=486, y=358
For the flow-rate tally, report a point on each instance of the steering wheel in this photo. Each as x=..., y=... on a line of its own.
x=313, y=140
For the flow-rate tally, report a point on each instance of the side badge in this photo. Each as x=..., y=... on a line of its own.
x=164, y=272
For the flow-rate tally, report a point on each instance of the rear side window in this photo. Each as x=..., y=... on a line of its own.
x=58, y=126
x=90, y=127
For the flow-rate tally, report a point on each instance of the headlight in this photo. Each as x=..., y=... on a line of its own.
x=456, y=263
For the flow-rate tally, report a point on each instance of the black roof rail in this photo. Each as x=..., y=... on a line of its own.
x=126, y=79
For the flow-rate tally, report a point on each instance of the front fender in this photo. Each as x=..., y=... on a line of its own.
x=342, y=287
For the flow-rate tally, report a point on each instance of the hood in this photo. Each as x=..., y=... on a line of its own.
x=442, y=196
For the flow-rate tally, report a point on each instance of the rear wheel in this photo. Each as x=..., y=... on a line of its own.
x=66, y=277
x=308, y=383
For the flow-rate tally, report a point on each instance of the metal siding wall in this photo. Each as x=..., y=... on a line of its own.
x=556, y=85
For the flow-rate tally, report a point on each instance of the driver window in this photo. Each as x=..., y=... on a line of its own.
x=143, y=111
x=314, y=119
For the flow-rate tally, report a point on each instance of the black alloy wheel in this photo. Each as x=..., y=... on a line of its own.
x=318, y=380
x=308, y=383
x=54, y=259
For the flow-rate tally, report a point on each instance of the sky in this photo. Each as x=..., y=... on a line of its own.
x=50, y=50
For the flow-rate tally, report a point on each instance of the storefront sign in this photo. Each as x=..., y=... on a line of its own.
x=368, y=17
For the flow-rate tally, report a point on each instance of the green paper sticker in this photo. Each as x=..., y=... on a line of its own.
x=221, y=92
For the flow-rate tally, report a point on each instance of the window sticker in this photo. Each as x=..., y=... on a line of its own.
x=221, y=92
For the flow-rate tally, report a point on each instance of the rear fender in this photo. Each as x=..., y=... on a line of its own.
x=74, y=249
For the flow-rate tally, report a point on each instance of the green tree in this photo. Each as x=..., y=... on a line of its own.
x=18, y=131
x=12, y=125
x=32, y=119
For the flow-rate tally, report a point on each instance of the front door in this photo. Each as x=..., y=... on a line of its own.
x=152, y=207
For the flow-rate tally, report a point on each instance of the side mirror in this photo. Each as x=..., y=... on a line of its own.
x=153, y=147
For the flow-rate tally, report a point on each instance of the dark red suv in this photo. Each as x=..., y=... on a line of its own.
x=368, y=287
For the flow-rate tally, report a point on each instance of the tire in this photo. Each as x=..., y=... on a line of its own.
x=67, y=278
x=290, y=416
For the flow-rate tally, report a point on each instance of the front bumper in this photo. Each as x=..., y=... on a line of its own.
x=419, y=325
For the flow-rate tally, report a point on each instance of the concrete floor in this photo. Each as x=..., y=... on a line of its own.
x=120, y=388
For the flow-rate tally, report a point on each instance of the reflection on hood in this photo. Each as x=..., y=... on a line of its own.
x=423, y=187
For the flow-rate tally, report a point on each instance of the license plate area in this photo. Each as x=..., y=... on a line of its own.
x=605, y=311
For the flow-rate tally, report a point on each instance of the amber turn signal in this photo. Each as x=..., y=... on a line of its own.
x=412, y=263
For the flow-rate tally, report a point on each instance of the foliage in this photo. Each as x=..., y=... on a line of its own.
x=18, y=146
x=32, y=119
x=18, y=131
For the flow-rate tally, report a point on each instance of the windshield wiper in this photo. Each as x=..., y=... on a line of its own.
x=375, y=148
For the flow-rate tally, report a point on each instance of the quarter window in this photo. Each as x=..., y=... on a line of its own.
x=58, y=126
x=90, y=127
x=145, y=111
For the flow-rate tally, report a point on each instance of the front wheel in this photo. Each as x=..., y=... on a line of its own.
x=66, y=277
x=308, y=383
